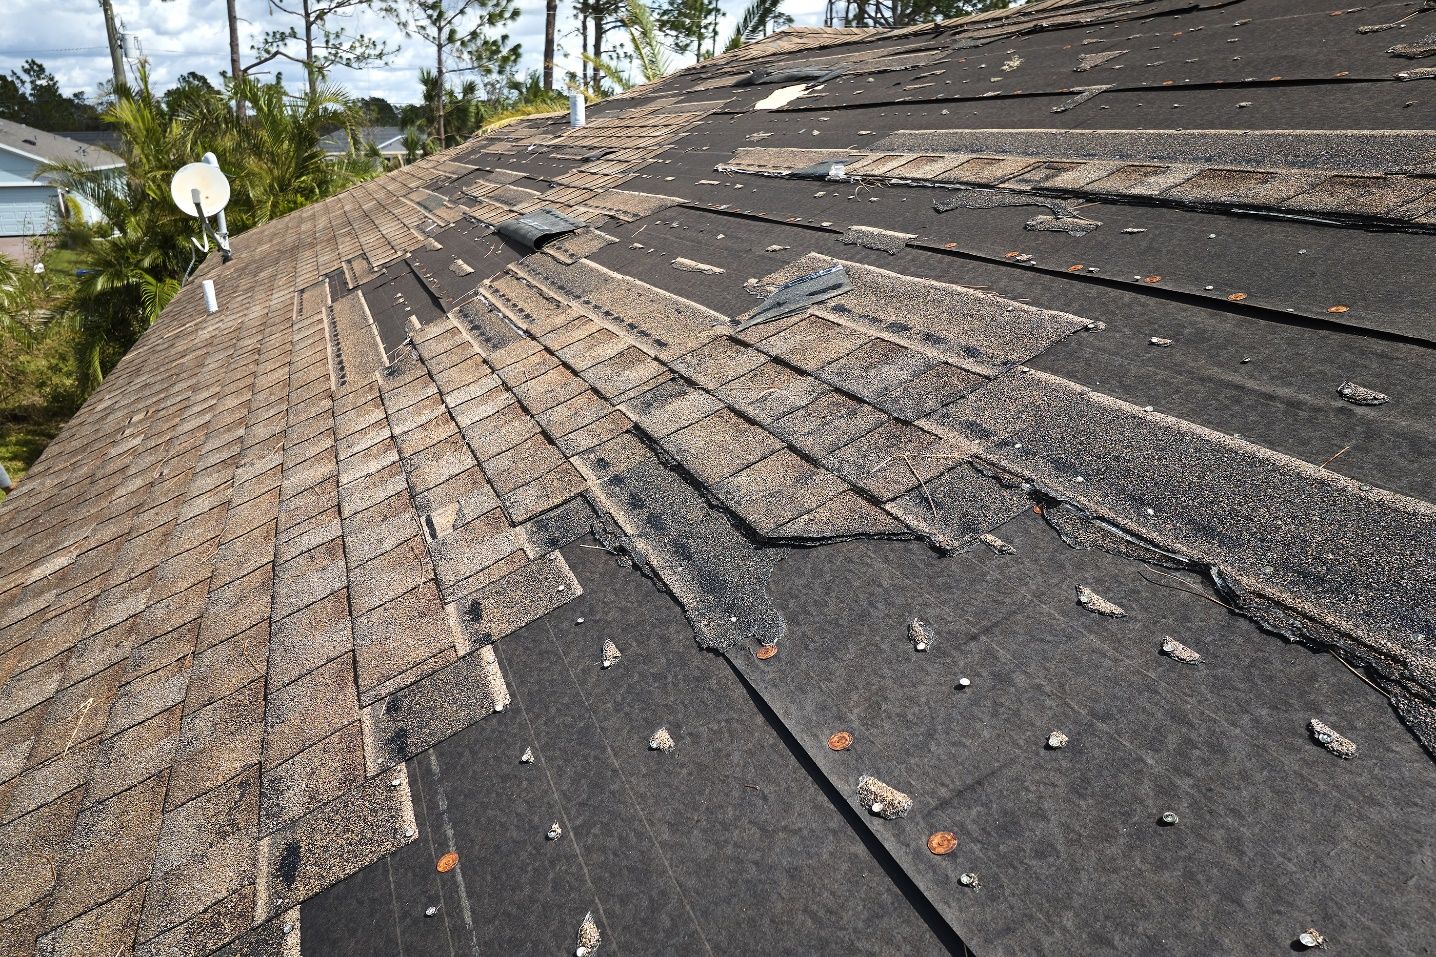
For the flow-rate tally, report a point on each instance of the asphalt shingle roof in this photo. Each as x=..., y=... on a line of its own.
x=1133, y=414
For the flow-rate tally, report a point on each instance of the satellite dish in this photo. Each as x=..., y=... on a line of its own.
x=212, y=185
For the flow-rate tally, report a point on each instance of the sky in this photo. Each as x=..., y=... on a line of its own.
x=177, y=36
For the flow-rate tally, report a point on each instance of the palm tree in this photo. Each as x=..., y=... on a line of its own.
x=644, y=44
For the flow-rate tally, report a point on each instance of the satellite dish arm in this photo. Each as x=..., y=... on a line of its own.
x=221, y=238
x=213, y=160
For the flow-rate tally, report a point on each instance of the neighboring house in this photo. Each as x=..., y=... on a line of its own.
x=389, y=140
x=30, y=203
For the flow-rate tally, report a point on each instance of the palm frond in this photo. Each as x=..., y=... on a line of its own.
x=753, y=24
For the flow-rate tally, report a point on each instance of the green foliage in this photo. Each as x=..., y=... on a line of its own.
x=644, y=46
x=761, y=18
x=899, y=13
x=63, y=330
x=377, y=111
x=38, y=358
x=321, y=40
x=690, y=25
x=32, y=96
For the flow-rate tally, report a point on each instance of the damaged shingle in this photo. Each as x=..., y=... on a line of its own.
x=797, y=295
x=1084, y=93
x=919, y=634
x=1071, y=225
x=690, y=265
x=1096, y=604
x=881, y=799
x=1177, y=651
x=1360, y=395
x=870, y=237
x=998, y=546
x=1337, y=744
x=589, y=938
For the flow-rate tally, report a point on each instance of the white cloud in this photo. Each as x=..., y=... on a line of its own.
x=183, y=35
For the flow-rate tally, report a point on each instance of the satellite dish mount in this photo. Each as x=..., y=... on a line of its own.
x=202, y=191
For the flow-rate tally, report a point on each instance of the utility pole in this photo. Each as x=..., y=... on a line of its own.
x=113, y=36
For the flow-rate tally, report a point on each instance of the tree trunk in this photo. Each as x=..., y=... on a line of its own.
x=439, y=93
x=597, y=48
x=309, y=67
x=550, y=29
x=236, y=72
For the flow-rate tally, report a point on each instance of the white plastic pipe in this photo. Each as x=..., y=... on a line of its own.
x=576, y=104
x=211, y=304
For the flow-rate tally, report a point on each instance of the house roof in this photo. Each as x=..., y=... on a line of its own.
x=388, y=139
x=53, y=148
x=1052, y=391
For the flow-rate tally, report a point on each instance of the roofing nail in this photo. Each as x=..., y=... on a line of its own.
x=942, y=843
x=1311, y=937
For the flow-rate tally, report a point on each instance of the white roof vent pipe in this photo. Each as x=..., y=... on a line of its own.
x=576, y=105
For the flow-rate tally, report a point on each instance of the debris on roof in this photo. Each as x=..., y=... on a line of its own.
x=293, y=604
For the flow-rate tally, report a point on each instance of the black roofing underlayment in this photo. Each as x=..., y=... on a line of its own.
x=962, y=489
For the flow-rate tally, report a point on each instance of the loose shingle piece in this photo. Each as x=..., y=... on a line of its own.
x=543, y=445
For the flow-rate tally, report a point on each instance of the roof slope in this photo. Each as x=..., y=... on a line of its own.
x=52, y=148
x=1072, y=457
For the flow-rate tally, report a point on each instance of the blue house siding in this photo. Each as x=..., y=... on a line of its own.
x=28, y=210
